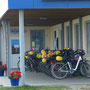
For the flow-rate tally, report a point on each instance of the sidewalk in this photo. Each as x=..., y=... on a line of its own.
x=40, y=79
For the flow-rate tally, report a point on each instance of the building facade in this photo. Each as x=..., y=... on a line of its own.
x=53, y=24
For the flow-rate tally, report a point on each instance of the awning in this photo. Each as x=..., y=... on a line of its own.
x=44, y=17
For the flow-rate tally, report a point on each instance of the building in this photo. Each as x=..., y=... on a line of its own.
x=53, y=24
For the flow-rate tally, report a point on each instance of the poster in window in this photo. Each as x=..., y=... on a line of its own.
x=15, y=46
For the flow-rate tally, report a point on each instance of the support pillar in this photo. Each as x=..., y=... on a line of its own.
x=6, y=28
x=8, y=47
x=22, y=45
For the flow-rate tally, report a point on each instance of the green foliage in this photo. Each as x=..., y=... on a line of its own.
x=15, y=75
x=38, y=88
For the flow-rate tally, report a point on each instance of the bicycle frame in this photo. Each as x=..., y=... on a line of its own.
x=76, y=64
x=70, y=67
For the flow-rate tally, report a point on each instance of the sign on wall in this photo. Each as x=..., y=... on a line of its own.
x=15, y=31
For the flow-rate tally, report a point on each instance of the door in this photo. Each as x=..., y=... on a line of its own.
x=15, y=51
x=37, y=39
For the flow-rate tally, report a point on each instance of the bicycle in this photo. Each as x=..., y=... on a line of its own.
x=28, y=63
x=60, y=70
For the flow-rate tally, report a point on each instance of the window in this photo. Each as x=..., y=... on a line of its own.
x=88, y=37
x=37, y=39
x=76, y=36
x=55, y=47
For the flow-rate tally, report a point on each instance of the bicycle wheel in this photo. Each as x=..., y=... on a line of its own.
x=85, y=69
x=59, y=70
x=27, y=65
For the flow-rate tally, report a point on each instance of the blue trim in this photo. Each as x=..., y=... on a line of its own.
x=20, y=4
x=42, y=4
x=80, y=25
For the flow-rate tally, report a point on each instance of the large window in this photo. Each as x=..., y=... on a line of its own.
x=77, y=36
x=37, y=39
x=88, y=37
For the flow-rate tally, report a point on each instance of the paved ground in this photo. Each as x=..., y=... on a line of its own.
x=42, y=79
x=38, y=79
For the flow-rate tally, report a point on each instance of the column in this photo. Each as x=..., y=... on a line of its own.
x=22, y=46
x=6, y=28
x=8, y=48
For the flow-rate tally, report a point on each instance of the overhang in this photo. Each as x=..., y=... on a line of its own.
x=44, y=17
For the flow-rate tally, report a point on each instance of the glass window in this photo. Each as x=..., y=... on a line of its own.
x=37, y=39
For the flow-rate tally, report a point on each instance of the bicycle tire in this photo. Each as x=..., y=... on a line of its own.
x=85, y=69
x=27, y=67
x=54, y=74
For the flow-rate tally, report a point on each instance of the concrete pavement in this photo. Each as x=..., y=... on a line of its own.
x=40, y=79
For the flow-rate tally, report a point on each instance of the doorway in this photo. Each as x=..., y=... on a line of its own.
x=15, y=51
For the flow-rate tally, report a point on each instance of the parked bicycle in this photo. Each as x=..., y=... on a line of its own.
x=72, y=63
x=57, y=64
x=28, y=62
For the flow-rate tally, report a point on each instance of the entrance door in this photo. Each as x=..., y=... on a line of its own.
x=15, y=50
x=37, y=39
